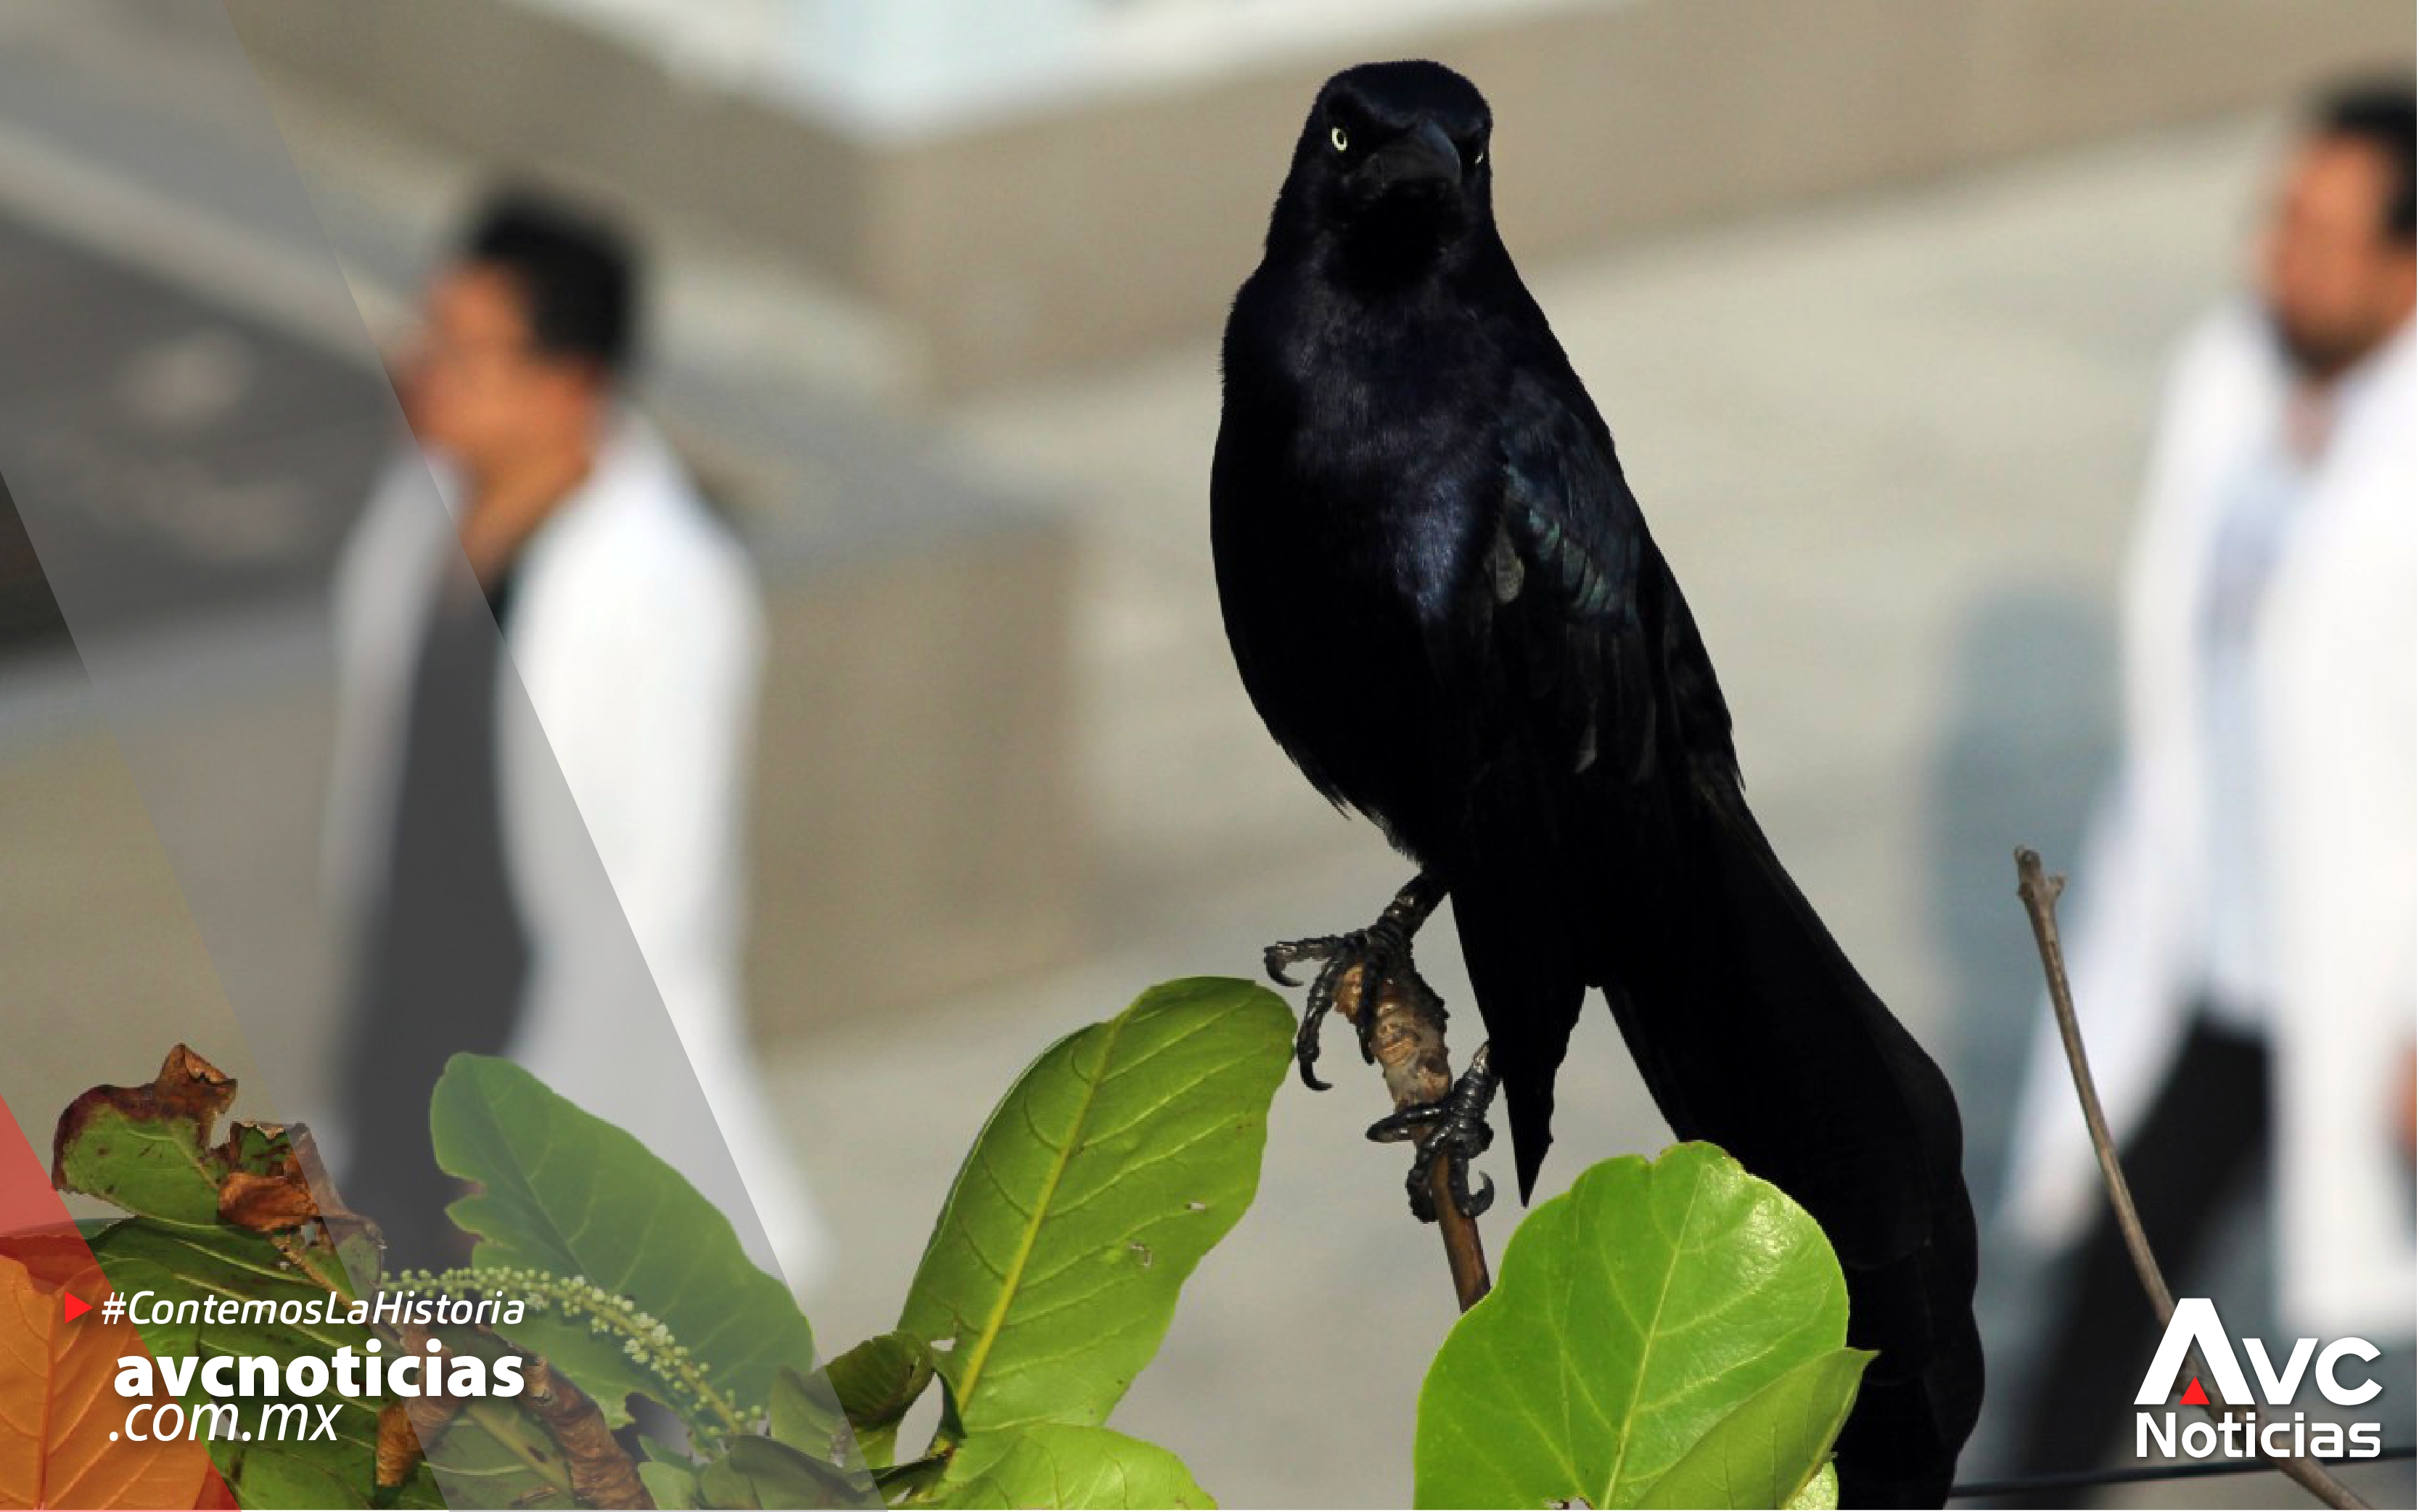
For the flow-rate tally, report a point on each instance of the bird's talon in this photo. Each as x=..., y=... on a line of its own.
x=1306, y=1052
x=1422, y=1189
x=1380, y=954
x=1471, y=1206
x=1278, y=960
x=1453, y=1128
x=1408, y=1123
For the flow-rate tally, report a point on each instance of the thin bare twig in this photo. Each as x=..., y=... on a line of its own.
x=1408, y=1039
x=2040, y=890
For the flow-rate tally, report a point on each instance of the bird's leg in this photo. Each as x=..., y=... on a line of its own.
x=1455, y=1127
x=1382, y=953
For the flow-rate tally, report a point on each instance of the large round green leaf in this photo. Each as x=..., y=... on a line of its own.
x=1110, y=1168
x=1062, y=1466
x=561, y=1191
x=1773, y=1448
x=1632, y=1316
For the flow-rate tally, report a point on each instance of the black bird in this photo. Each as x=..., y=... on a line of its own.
x=1443, y=600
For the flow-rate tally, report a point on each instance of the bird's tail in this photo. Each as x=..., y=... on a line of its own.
x=1754, y=1031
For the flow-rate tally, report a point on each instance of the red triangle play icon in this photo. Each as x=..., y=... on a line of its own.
x=77, y=1305
x=2194, y=1396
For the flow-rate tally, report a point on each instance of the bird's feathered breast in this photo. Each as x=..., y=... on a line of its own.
x=1509, y=601
x=1331, y=403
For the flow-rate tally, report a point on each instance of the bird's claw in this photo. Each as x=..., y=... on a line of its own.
x=1382, y=953
x=1453, y=1128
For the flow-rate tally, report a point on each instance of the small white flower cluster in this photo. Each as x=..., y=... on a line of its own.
x=646, y=1341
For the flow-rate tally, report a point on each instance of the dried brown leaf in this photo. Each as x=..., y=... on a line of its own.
x=601, y=1472
x=398, y=1447
x=266, y=1204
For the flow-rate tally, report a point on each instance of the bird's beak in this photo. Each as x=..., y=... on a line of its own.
x=1424, y=155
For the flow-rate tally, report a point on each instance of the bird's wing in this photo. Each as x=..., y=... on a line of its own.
x=1559, y=607
x=1605, y=840
x=1569, y=635
x=1566, y=675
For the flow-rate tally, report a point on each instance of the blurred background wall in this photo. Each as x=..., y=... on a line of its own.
x=1108, y=158
x=1876, y=296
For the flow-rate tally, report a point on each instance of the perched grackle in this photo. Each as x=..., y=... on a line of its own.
x=1443, y=600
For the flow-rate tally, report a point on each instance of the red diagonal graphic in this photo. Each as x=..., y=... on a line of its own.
x=37, y=1234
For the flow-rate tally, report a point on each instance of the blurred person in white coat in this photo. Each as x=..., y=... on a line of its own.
x=2244, y=929
x=548, y=691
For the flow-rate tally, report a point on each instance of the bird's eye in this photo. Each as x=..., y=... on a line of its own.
x=1336, y=134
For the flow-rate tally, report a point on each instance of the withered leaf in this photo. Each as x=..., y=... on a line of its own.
x=187, y=1088
x=398, y=1447
x=266, y=1204
x=602, y=1474
x=253, y=1145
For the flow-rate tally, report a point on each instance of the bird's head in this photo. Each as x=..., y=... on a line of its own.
x=1394, y=158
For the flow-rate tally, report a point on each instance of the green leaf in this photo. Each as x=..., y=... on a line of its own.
x=495, y=1451
x=1774, y=1446
x=564, y=1191
x=261, y=1149
x=877, y=1382
x=154, y=1167
x=806, y=1416
x=722, y=1483
x=1631, y=1316
x=912, y=1481
x=179, y=1262
x=786, y=1477
x=419, y=1494
x=1062, y=1465
x=279, y=1478
x=1821, y=1494
x=1110, y=1168
x=147, y=1148
x=672, y=1485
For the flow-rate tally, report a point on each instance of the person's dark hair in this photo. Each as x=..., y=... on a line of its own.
x=2378, y=116
x=577, y=272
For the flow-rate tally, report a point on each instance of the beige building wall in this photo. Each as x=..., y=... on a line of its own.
x=1088, y=230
